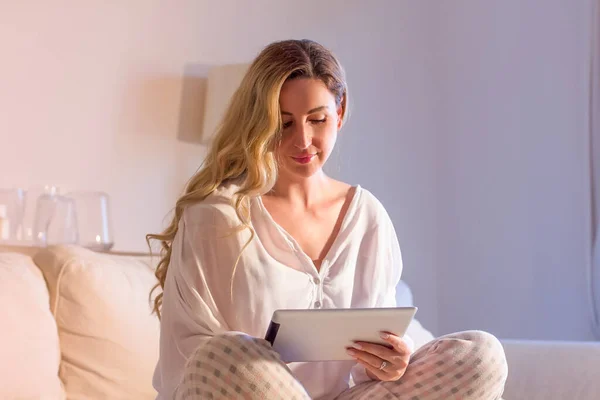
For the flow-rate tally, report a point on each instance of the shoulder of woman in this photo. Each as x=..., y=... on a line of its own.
x=371, y=204
x=216, y=209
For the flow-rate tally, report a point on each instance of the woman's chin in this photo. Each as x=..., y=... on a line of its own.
x=303, y=171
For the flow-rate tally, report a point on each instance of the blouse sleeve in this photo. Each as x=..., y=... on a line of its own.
x=395, y=259
x=387, y=270
x=196, y=292
x=391, y=261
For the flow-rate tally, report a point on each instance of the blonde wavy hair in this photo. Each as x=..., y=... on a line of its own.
x=244, y=143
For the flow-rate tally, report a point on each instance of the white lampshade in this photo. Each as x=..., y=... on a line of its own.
x=223, y=81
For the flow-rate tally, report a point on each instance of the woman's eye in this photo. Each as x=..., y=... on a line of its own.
x=287, y=124
x=318, y=121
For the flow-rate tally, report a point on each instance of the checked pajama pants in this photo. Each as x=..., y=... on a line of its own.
x=465, y=365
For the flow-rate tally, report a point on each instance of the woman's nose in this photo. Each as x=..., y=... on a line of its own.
x=302, y=138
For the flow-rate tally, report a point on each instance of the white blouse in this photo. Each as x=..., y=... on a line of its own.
x=361, y=269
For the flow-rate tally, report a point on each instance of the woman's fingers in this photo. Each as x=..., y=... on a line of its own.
x=397, y=352
x=377, y=351
x=375, y=372
x=369, y=358
x=372, y=364
x=394, y=358
x=396, y=342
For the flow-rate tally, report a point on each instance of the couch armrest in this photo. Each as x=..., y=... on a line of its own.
x=552, y=370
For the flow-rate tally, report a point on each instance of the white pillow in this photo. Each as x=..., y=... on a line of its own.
x=416, y=331
x=29, y=349
x=404, y=296
x=108, y=337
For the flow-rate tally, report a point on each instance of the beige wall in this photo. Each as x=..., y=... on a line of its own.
x=91, y=98
x=467, y=122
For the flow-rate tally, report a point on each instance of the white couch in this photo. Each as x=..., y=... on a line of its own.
x=77, y=324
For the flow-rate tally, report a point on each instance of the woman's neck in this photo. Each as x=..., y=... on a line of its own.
x=303, y=192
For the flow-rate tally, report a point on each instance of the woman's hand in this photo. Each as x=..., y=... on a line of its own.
x=383, y=363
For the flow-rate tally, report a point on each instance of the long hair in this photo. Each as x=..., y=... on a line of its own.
x=244, y=143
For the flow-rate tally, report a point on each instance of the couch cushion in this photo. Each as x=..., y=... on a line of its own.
x=552, y=370
x=108, y=336
x=29, y=349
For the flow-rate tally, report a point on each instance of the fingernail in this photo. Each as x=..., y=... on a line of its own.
x=384, y=336
x=357, y=346
x=350, y=352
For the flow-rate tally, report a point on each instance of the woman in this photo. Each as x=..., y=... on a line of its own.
x=262, y=227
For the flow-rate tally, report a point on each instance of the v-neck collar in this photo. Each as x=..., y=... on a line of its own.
x=294, y=244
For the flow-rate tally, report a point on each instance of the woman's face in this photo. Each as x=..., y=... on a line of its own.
x=311, y=121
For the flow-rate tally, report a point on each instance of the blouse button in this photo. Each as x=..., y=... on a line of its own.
x=317, y=304
x=316, y=281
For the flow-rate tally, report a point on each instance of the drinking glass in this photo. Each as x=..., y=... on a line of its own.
x=93, y=212
x=11, y=212
x=30, y=207
x=55, y=221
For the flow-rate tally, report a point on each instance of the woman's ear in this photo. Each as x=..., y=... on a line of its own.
x=340, y=117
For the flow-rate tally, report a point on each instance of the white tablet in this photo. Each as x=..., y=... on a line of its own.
x=325, y=334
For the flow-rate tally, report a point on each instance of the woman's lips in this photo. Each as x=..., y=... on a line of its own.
x=304, y=159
